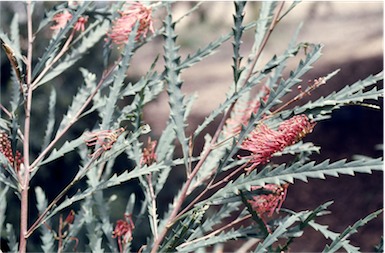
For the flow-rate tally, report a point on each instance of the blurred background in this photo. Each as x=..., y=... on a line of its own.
x=352, y=35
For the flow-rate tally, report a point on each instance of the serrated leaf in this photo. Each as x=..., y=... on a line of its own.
x=176, y=97
x=12, y=241
x=115, y=90
x=264, y=20
x=350, y=94
x=55, y=42
x=183, y=230
x=286, y=174
x=3, y=205
x=112, y=181
x=11, y=182
x=47, y=238
x=67, y=147
x=213, y=220
x=342, y=238
x=279, y=231
x=76, y=53
x=50, y=119
x=237, y=34
x=78, y=100
x=232, y=234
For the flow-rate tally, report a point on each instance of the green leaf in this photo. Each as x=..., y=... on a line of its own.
x=50, y=119
x=67, y=147
x=265, y=18
x=115, y=90
x=94, y=231
x=350, y=94
x=47, y=237
x=278, y=232
x=112, y=181
x=222, y=237
x=104, y=213
x=48, y=16
x=176, y=101
x=3, y=206
x=237, y=31
x=215, y=219
x=13, y=245
x=183, y=230
x=11, y=182
x=286, y=174
x=76, y=53
x=342, y=238
x=55, y=42
x=78, y=100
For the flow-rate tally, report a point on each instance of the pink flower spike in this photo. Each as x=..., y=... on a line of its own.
x=264, y=142
x=104, y=139
x=61, y=20
x=123, y=231
x=149, y=155
x=123, y=26
x=80, y=24
x=269, y=203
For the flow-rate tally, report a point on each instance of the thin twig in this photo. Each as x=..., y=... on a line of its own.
x=58, y=56
x=216, y=231
x=47, y=149
x=74, y=119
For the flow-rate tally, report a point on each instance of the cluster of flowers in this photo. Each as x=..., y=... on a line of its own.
x=6, y=150
x=121, y=27
x=123, y=231
x=264, y=142
x=268, y=203
x=61, y=20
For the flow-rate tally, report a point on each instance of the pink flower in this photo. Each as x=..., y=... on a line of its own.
x=79, y=25
x=104, y=139
x=268, y=203
x=242, y=117
x=123, y=231
x=62, y=19
x=123, y=26
x=149, y=156
x=263, y=142
x=6, y=150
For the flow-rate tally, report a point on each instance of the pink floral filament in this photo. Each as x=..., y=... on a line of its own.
x=242, y=117
x=271, y=202
x=123, y=26
x=104, y=139
x=123, y=231
x=263, y=142
x=61, y=20
x=149, y=155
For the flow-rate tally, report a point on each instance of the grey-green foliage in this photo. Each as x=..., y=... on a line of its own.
x=119, y=132
x=47, y=236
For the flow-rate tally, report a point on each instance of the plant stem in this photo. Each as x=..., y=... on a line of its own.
x=58, y=56
x=186, y=186
x=27, y=125
x=216, y=231
x=74, y=119
x=77, y=178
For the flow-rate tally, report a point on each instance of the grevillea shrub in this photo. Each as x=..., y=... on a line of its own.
x=93, y=177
